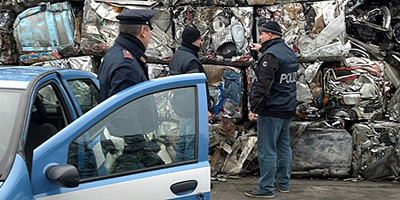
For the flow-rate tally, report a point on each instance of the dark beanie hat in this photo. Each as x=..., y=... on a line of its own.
x=272, y=27
x=190, y=34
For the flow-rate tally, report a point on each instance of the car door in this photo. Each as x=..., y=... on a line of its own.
x=126, y=147
x=83, y=88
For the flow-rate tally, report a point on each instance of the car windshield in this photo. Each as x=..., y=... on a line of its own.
x=9, y=100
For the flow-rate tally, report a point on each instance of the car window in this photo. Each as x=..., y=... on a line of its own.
x=151, y=132
x=48, y=116
x=55, y=111
x=86, y=93
x=9, y=101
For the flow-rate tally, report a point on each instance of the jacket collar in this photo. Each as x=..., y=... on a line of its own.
x=269, y=43
x=190, y=47
x=134, y=45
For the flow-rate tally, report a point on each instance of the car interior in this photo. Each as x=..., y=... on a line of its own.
x=45, y=121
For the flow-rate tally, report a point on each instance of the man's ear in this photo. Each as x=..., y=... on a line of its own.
x=143, y=31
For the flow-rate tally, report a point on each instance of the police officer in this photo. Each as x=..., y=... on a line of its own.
x=273, y=98
x=124, y=65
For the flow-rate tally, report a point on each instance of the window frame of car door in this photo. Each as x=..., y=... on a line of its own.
x=196, y=142
x=73, y=95
x=47, y=78
x=69, y=75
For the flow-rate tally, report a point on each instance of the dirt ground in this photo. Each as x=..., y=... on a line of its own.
x=311, y=189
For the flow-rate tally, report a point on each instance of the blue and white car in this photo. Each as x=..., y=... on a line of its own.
x=58, y=142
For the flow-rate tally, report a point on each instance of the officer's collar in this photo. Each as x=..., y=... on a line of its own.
x=269, y=43
x=137, y=49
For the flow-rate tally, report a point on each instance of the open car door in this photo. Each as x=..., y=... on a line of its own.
x=149, y=141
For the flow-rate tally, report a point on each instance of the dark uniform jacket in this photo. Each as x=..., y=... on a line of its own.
x=274, y=92
x=185, y=60
x=123, y=66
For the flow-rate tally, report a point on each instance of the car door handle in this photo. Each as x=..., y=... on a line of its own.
x=184, y=187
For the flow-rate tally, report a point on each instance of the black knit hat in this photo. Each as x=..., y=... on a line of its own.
x=271, y=27
x=190, y=34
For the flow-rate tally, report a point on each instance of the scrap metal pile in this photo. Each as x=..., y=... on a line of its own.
x=349, y=51
x=347, y=114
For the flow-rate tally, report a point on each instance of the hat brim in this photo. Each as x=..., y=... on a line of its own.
x=132, y=22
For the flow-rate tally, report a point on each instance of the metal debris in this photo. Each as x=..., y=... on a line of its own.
x=7, y=43
x=349, y=53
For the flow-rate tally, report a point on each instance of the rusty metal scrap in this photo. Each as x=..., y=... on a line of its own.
x=352, y=84
x=157, y=70
x=7, y=43
x=100, y=28
x=86, y=63
x=324, y=150
x=347, y=89
x=97, y=38
x=225, y=31
x=373, y=142
x=234, y=164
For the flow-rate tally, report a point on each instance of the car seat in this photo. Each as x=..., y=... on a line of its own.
x=39, y=131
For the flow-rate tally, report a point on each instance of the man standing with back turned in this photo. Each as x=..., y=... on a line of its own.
x=273, y=105
x=184, y=61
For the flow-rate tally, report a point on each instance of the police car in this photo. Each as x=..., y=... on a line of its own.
x=58, y=141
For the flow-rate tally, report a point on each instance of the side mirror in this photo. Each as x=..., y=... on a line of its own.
x=63, y=175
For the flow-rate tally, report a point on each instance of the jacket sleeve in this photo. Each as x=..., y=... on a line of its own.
x=193, y=67
x=125, y=76
x=267, y=67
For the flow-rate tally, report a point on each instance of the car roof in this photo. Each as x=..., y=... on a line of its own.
x=18, y=77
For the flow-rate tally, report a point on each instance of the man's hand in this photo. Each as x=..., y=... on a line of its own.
x=210, y=117
x=255, y=46
x=252, y=116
